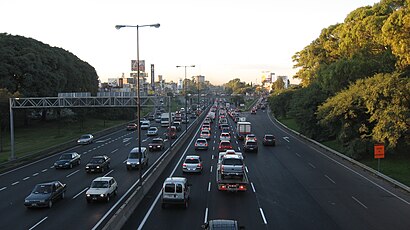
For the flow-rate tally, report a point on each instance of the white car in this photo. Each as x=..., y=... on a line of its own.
x=102, y=188
x=85, y=139
x=145, y=124
x=225, y=137
x=152, y=131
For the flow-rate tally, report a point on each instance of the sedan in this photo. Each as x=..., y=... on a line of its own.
x=152, y=131
x=192, y=164
x=132, y=126
x=224, y=145
x=85, y=139
x=98, y=164
x=44, y=194
x=68, y=160
x=206, y=134
x=201, y=143
x=250, y=137
x=156, y=144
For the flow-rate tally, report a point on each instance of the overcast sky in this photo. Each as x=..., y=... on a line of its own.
x=225, y=39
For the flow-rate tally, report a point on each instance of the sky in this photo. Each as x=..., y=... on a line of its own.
x=224, y=39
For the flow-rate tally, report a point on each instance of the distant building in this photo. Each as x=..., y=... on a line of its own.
x=200, y=79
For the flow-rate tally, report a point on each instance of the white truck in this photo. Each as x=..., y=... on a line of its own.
x=231, y=174
x=242, y=129
x=165, y=120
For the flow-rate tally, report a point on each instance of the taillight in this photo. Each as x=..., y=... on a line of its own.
x=222, y=168
x=241, y=187
x=199, y=166
x=184, y=165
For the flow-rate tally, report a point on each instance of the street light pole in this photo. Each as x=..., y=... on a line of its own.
x=138, y=92
x=186, y=99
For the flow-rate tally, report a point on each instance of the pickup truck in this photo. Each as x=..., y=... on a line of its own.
x=231, y=174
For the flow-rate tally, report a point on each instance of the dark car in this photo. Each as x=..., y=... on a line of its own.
x=68, y=160
x=156, y=144
x=44, y=194
x=98, y=164
x=269, y=139
x=250, y=145
x=222, y=225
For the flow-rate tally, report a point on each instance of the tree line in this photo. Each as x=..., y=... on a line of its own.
x=355, y=81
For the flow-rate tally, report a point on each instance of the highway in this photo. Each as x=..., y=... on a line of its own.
x=73, y=212
x=293, y=185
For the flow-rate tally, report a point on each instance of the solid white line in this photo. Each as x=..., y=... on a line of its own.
x=263, y=216
x=354, y=198
x=26, y=178
x=330, y=179
x=239, y=148
x=15, y=183
x=246, y=168
x=38, y=223
x=237, y=142
x=112, y=170
x=209, y=186
x=297, y=154
x=127, y=143
x=44, y=170
x=253, y=188
x=206, y=215
x=1, y=189
x=52, y=167
x=115, y=150
x=211, y=169
x=72, y=173
x=311, y=165
x=79, y=193
x=35, y=174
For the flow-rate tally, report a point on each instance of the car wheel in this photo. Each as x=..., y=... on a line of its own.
x=50, y=204
x=63, y=195
x=115, y=191
x=71, y=165
x=186, y=204
x=79, y=162
x=108, y=198
x=102, y=169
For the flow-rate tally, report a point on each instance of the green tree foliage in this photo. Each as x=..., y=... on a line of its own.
x=375, y=109
x=278, y=85
x=35, y=69
x=279, y=102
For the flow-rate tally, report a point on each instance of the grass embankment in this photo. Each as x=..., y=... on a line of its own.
x=394, y=166
x=42, y=135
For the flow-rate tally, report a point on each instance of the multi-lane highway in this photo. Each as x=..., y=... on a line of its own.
x=294, y=185
x=73, y=212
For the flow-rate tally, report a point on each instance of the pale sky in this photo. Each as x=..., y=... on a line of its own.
x=224, y=39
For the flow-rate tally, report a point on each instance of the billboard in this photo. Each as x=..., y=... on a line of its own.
x=134, y=66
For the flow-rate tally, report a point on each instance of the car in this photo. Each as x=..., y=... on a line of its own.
x=232, y=166
x=250, y=145
x=151, y=117
x=85, y=139
x=68, y=160
x=185, y=120
x=269, y=139
x=156, y=144
x=101, y=188
x=201, y=143
x=137, y=159
x=98, y=163
x=177, y=125
x=206, y=127
x=192, y=163
x=224, y=145
x=158, y=119
x=44, y=194
x=253, y=111
x=222, y=224
x=175, y=190
x=132, y=126
x=145, y=124
x=225, y=136
x=250, y=136
x=152, y=131
x=172, y=132
x=206, y=134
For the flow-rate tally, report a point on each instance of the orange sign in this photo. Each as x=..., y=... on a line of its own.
x=378, y=151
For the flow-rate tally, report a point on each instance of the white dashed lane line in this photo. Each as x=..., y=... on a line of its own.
x=35, y=174
x=263, y=216
x=26, y=178
x=115, y=150
x=209, y=186
x=211, y=169
x=311, y=165
x=72, y=173
x=1, y=189
x=38, y=223
x=297, y=154
x=246, y=168
x=79, y=193
x=44, y=170
x=15, y=183
x=253, y=188
x=354, y=198
x=330, y=179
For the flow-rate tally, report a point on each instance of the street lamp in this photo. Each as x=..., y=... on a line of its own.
x=138, y=91
x=185, y=83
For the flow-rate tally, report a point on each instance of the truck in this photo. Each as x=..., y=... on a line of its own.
x=165, y=119
x=230, y=172
x=242, y=129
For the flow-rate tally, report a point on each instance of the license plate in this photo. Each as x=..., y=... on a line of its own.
x=34, y=205
x=94, y=198
x=92, y=170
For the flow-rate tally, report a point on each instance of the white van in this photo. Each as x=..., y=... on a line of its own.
x=145, y=124
x=175, y=190
x=133, y=160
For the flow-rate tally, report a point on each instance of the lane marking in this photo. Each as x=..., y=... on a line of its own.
x=311, y=165
x=286, y=139
x=112, y=170
x=354, y=198
x=128, y=143
x=115, y=150
x=209, y=186
x=212, y=158
x=330, y=179
x=213, y=148
x=206, y=215
x=44, y=170
x=72, y=173
x=38, y=223
x=78, y=194
x=239, y=148
x=253, y=188
x=1, y=189
x=237, y=142
x=211, y=169
x=15, y=183
x=263, y=216
x=35, y=174
x=26, y=178
x=94, y=148
x=297, y=154
x=52, y=167
x=246, y=168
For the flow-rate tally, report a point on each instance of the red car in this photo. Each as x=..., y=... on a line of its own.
x=224, y=145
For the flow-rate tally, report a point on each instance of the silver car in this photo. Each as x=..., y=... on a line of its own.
x=152, y=131
x=192, y=163
x=85, y=139
x=133, y=160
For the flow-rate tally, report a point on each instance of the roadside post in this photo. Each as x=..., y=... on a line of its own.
x=378, y=154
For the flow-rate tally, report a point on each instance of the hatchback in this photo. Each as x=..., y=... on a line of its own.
x=192, y=163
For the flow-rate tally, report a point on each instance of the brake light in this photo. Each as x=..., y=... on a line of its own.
x=184, y=165
x=199, y=166
x=241, y=187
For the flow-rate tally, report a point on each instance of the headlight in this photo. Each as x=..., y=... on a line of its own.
x=102, y=195
x=87, y=167
x=88, y=195
x=26, y=201
x=159, y=146
x=67, y=163
x=128, y=163
x=98, y=167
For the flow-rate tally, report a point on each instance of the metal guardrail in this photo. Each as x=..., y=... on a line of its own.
x=365, y=167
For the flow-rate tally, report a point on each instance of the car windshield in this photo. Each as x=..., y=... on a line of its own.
x=225, y=144
x=43, y=189
x=65, y=157
x=153, y=129
x=97, y=160
x=84, y=137
x=157, y=141
x=134, y=155
x=251, y=143
x=100, y=184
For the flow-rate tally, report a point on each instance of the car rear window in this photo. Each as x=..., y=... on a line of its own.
x=232, y=161
x=269, y=137
x=170, y=188
x=201, y=141
x=251, y=143
x=192, y=161
x=225, y=144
